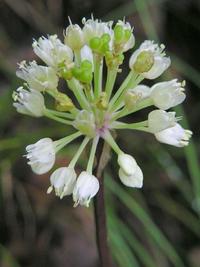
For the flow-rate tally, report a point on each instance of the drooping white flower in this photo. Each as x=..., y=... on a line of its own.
x=38, y=77
x=149, y=60
x=127, y=163
x=127, y=40
x=86, y=187
x=74, y=37
x=175, y=136
x=86, y=54
x=133, y=180
x=41, y=155
x=169, y=94
x=95, y=28
x=29, y=101
x=52, y=51
x=159, y=120
x=63, y=181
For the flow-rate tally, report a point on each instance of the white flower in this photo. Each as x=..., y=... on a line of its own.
x=62, y=180
x=38, y=77
x=86, y=54
x=167, y=94
x=159, y=120
x=127, y=163
x=126, y=44
x=175, y=136
x=30, y=102
x=149, y=60
x=74, y=37
x=95, y=28
x=86, y=187
x=41, y=155
x=133, y=180
x=52, y=51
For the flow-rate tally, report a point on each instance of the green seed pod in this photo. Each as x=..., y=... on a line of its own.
x=118, y=33
x=95, y=43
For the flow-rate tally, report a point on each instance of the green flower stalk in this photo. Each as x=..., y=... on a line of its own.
x=97, y=109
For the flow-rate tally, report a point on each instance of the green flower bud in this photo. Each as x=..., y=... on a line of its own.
x=63, y=102
x=86, y=64
x=66, y=74
x=102, y=102
x=95, y=43
x=86, y=76
x=144, y=62
x=85, y=123
x=118, y=33
x=131, y=99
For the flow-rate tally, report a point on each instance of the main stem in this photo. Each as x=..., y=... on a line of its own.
x=99, y=207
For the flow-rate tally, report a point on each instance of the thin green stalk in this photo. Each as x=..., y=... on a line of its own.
x=92, y=154
x=78, y=153
x=76, y=88
x=124, y=112
x=134, y=81
x=53, y=117
x=120, y=90
x=59, y=144
x=122, y=125
x=111, y=77
x=98, y=69
x=110, y=140
x=60, y=114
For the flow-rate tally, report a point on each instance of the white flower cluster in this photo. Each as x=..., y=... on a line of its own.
x=96, y=108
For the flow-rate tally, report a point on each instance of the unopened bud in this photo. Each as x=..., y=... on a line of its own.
x=131, y=99
x=63, y=102
x=85, y=123
x=102, y=102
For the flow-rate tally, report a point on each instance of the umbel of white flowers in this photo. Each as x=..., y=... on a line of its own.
x=96, y=109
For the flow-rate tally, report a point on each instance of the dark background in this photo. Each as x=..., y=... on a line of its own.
x=156, y=226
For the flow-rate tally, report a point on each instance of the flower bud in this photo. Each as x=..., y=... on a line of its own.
x=131, y=99
x=159, y=120
x=102, y=102
x=169, y=94
x=175, y=136
x=30, y=102
x=63, y=181
x=41, y=155
x=133, y=180
x=63, y=102
x=86, y=187
x=85, y=123
x=127, y=163
x=74, y=37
